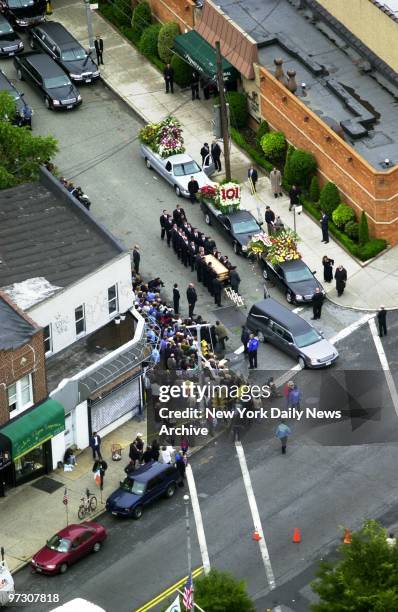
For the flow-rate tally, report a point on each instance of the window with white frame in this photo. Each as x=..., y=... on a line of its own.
x=113, y=302
x=48, y=340
x=20, y=395
x=80, y=320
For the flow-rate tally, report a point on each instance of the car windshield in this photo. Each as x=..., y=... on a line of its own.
x=57, y=81
x=59, y=544
x=70, y=55
x=308, y=338
x=20, y=3
x=246, y=227
x=133, y=486
x=5, y=28
x=300, y=274
x=186, y=169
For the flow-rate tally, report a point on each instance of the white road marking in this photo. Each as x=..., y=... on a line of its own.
x=239, y=350
x=347, y=331
x=255, y=515
x=198, y=519
x=298, y=309
x=384, y=364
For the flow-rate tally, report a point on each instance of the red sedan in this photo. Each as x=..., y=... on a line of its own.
x=68, y=546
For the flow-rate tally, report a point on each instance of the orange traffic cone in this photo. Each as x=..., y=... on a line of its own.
x=347, y=537
x=296, y=535
x=256, y=536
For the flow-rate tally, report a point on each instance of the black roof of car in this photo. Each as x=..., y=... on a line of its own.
x=149, y=470
x=296, y=264
x=43, y=63
x=280, y=314
x=240, y=215
x=57, y=31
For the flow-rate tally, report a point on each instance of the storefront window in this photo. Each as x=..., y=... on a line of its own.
x=20, y=395
x=29, y=463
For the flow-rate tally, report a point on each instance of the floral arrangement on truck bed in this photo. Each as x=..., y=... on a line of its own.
x=164, y=138
x=277, y=248
x=225, y=197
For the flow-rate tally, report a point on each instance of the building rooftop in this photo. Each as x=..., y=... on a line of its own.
x=47, y=242
x=339, y=87
x=15, y=329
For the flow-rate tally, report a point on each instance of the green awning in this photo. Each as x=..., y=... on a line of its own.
x=35, y=427
x=197, y=52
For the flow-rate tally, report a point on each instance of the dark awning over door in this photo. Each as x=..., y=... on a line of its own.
x=197, y=52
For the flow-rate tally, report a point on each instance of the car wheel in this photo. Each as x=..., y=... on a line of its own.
x=148, y=163
x=97, y=547
x=289, y=297
x=236, y=248
x=207, y=219
x=177, y=190
x=47, y=102
x=265, y=274
x=62, y=568
x=32, y=43
x=171, y=489
x=20, y=75
x=137, y=512
x=301, y=362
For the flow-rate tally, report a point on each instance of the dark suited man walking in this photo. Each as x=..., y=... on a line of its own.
x=193, y=188
x=204, y=152
x=317, y=301
x=136, y=258
x=168, y=75
x=253, y=176
x=382, y=321
x=192, y=298
x=216, y=155
x=325, y=227
x=217, y=288
x=176, y=299
x=195, y=85
x=163, y=223
x=99, y=49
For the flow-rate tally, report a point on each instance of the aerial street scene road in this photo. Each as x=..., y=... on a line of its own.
x=198, y=305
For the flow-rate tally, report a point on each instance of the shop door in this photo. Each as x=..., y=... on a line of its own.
x=69, y=433
x=123, y=400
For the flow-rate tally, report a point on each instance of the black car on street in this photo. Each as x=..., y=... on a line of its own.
x=24, y=112
x=24, y=13
x=54, y=85
x=238, y=226
x=294, y=278
x=10, y=43
x=53, y=38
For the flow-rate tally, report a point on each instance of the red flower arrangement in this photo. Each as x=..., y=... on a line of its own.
x=208, y=192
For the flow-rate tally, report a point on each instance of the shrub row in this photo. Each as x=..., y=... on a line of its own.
x=256, y=155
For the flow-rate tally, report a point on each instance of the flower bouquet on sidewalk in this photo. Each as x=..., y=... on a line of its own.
x=165, y=138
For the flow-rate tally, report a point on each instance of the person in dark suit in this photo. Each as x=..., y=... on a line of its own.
x=178, y=215
x=95, y=445
x=168, y=227
x=294, y=195
x=234, y=279
x=195, y=85
x=382, y=321
x=193, y=188
x=176, y=299
x=192, y=298
x=317, y=301
x=211, y=275
x=136, y=258
x=204, y=152
x=325, y=227
x=193, y=249
x=209, y=245
x=217, y=288
x=199, y=267
x=216, y=155
x=253, y=175
x=168, y=75
x=163, y=222
x=99, y=49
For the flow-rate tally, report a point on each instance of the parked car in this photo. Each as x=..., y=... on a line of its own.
x=178, y=169
x=54, y=85
x=238, y=226
x=68, y=546
x=294, y=278
x=10, y=43
x=291, y=333
x=142, y=487
x=24, y=111
x=24, y=13
x=55, y=40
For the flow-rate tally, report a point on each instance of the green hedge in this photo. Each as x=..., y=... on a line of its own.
x=238, y=111
x=329, y=198
x=256, y=156
x=363, y=229
x=182, y=71
x=315, y=191
x=168, y=32
x=142, y=18
x=122, y=11
x=274, y=146
x=263, y=128
x=149, y=40
x=342, y=215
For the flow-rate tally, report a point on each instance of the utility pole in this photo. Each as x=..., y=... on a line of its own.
x=89, y=18
x=223, y=112
x=188, y=528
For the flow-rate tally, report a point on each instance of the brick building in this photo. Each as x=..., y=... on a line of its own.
x=29, y=421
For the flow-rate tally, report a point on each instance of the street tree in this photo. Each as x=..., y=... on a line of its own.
x=221, y=592
x=21, y=153
x=364, y=579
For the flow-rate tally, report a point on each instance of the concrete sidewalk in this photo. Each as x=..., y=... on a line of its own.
x=141, y=86
x=27, y=503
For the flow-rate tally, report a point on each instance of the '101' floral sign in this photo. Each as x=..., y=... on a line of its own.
x=228, y=197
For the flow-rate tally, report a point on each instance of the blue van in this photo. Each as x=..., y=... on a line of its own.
x=142, y=487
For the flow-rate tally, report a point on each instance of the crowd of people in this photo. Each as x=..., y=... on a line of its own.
x=75, y=191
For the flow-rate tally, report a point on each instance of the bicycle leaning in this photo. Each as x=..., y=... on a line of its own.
x=88, y=505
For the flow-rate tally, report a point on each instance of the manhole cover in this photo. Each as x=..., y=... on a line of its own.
x=48, y=485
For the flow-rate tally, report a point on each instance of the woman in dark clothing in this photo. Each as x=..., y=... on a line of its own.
x=147, y=456
x=327, y=269
x=155, y=450
x=180, y=465
x=341, y=277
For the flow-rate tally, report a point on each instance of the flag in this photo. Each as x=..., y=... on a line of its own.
x=175, y=606
x=187, y=599
x=65, y=498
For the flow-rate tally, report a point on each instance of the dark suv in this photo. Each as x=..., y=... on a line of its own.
x=54, y=85
x=10, y=43
x=24, y=112
x=24, y=13
x=142, y=487
x=55, y=40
